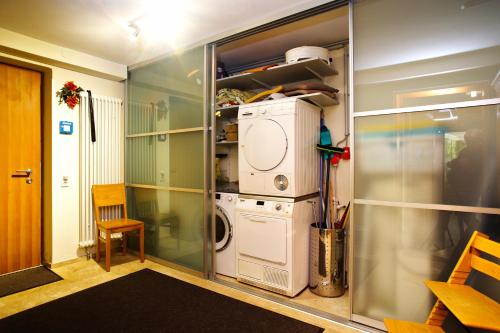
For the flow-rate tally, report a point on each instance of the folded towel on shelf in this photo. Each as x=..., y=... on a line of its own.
x=226, y=97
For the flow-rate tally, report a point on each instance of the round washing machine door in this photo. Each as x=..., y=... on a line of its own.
x=264, y=144
x=223, y=230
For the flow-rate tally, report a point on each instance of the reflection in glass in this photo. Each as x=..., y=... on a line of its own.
x=445, y=51
x=141, y=155
x=441, y=157
x=173, y=160
x=397, y=249
x=172, y=224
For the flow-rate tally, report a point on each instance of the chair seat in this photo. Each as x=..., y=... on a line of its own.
x=119, y=224
x=114, y=235
x=395, y=326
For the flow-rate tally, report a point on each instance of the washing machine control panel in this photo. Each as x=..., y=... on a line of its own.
x=269, y=207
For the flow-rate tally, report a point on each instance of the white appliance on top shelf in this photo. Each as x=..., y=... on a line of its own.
x=225, y=233
x=272, y=248
x=276, y=151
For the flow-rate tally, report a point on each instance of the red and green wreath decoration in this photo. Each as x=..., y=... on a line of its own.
x=69, y=94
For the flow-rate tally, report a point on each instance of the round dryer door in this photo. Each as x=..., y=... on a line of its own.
x=223, y=230
x=264, y=144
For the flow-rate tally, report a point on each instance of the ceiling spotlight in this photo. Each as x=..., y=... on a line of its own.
x=476, y=93
x=133, y=30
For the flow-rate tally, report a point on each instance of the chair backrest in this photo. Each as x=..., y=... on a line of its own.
x=470, y=259
x=107, y=196
x=482, y=244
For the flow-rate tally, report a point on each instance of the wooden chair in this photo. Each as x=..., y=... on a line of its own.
x=108, y=196
x=469, y=306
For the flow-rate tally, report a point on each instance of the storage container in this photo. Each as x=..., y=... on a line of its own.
x=326, y=261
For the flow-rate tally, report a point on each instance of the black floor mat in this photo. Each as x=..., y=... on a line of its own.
x=148, y=301
x=26, y=279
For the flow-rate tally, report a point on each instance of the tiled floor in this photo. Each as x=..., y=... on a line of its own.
x=338, y=306
x=84, y=273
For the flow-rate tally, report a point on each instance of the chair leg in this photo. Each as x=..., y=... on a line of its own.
x=108, y=250
x=124, y=243
x=141, y=242
x=98, y=247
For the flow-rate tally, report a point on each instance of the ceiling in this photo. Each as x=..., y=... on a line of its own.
x=319, y=30
x=99, y=27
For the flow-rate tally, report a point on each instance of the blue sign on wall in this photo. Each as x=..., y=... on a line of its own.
x=66, y=127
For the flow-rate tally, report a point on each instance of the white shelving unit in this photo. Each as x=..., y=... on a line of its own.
x=295, y=72
x=299, y=71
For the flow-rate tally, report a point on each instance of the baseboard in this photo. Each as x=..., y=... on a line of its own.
x=65, y=262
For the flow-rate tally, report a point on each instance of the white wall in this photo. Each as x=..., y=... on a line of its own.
x=65, y=159
x=56, y=55
x=335, y=121
x=65, y=162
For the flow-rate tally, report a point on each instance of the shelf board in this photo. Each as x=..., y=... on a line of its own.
x=175, y=131
x=319, y=99
x=227, y=143
x=229, y=111
x=295, y=72
x=166, y=188
x=227, y=108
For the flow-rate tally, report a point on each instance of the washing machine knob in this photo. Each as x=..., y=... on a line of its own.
x=229, y=199
x=263, y=111
x=278, y=207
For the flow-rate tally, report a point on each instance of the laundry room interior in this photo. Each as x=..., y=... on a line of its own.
x=328, y=162
x=252, y=147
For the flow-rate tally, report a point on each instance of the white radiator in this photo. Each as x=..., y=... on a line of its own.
x=101, y=162
x=142, y=150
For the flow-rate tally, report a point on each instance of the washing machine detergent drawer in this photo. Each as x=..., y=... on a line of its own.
x=263, y=238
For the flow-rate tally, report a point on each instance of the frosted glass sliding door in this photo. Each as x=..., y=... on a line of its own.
x=424, y=181
x=166, y=149
x=426, y=155
x=411, y=53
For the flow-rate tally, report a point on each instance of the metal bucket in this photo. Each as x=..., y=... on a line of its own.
x=326, y=261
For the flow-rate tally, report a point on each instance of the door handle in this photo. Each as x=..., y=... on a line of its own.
x=27, y=173
x=258, y=221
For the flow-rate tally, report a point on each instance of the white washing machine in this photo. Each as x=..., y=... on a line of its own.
x=225, y=233
x=277, y=148
x=272, y=248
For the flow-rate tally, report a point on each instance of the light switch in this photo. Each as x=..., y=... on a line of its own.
x=65, y=181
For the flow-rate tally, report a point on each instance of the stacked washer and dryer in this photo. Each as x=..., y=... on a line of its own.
x=278, y=177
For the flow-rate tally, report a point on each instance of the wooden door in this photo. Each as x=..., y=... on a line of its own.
x=20, y=168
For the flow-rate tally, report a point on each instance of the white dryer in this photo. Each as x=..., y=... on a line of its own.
x=225, y=233
x=273, y=242
x=276, y=153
